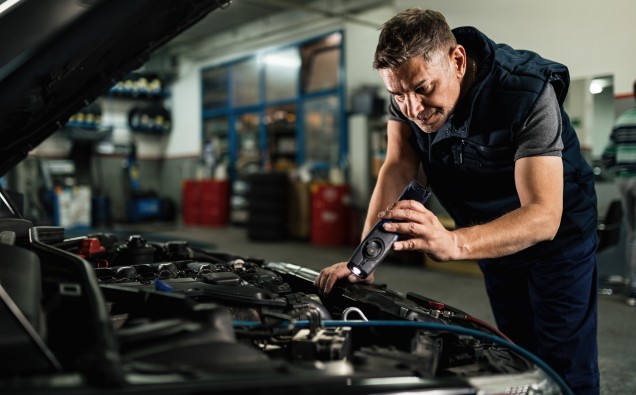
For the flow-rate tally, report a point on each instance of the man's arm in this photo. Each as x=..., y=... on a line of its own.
x=400, y=166
x=539, y=183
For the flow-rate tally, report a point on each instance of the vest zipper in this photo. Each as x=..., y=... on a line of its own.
x=461, y=152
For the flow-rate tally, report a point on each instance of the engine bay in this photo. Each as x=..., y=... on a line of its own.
x=117, y=312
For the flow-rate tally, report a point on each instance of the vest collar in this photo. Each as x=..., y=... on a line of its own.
x=482, y=49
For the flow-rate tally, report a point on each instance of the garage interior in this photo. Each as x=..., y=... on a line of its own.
x=260, y=131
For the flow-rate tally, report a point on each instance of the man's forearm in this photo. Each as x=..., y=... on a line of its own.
x=539, y=183
x=513, y=232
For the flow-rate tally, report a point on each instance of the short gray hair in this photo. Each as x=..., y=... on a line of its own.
x=411, y=33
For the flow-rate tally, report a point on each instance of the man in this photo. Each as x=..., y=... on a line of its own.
x=486, y=125
x=620, y=156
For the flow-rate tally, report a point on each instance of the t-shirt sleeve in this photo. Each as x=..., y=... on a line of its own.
x=394, y=112
x=540, y=135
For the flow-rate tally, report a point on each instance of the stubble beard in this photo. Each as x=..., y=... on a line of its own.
x=423, y=120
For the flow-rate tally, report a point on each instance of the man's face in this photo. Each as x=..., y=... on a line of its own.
x=426, y=92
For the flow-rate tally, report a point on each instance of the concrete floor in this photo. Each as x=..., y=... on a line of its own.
x=616, y=325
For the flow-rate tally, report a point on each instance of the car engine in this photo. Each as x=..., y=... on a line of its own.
x=120, y=312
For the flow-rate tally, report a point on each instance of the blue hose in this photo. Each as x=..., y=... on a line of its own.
x=433, y=326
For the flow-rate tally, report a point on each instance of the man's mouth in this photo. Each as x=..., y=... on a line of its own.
x=424, y=118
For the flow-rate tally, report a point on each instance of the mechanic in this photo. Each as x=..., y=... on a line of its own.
x=485, y=124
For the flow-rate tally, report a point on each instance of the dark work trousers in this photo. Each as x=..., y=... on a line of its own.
x=549, y=307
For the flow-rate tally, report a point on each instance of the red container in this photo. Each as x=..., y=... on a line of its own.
x=190, y=202
x=206, y=202
x=330, y=214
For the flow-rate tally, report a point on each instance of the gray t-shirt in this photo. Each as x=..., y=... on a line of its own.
x=540, y=134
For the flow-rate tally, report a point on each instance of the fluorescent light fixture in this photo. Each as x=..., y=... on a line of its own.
x=282, y=60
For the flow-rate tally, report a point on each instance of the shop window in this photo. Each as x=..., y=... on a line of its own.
x=245, y=83
x=321, y=63
x=247, y=132
x=321, y=126
x=281, y=74
x=216, y=139
x=215, y=88
x=279, y=108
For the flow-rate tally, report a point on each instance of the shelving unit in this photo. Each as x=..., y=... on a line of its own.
x=144, y=95
x=282, y=139
x=132, y=113
x=140, y=96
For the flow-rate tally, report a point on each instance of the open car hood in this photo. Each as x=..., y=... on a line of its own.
x=59, y=55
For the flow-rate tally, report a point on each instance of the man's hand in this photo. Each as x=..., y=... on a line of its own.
x=424, y=231
x=329, y=275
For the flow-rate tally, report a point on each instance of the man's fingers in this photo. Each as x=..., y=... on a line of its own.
x=404, y=210
x=405, y=228
x=330, y=275
x=330, y=281
x=405, y=245
x=409, y=204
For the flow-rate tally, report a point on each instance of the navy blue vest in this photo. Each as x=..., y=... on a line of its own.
x=469, y=162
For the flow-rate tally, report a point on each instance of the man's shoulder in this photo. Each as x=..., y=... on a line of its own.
x=626, y=118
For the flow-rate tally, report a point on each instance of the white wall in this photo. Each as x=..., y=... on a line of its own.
x=185, y=138
x=591, y=37
x=360, y=43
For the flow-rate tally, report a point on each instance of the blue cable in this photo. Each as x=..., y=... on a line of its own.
x=433, y=326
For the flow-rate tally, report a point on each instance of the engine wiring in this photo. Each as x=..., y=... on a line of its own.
x=436, y=309
x=430, y=326
x=282, y=324
x=485, y=325
x=348, y=310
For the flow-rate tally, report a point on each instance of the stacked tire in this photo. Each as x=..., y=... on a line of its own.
x=267, y=206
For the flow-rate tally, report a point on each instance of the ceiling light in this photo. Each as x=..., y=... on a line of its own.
x=598, y=84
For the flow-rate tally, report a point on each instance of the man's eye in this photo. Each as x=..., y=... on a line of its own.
x=425, y=90
x=399, y=98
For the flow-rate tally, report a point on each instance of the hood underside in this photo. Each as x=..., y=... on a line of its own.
x=57, y=56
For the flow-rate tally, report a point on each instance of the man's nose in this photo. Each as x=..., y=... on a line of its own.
x=414, y=106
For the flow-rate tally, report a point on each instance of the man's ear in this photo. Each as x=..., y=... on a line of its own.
x=458, y=59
